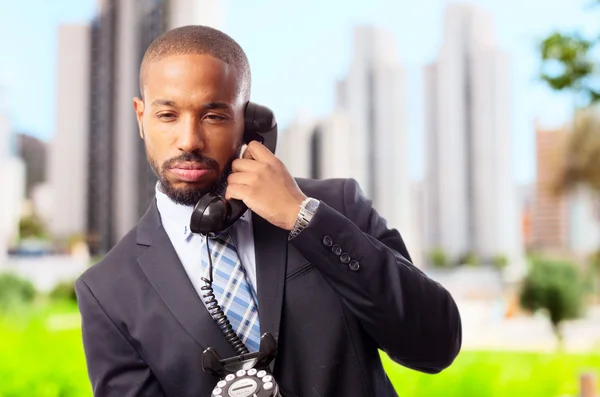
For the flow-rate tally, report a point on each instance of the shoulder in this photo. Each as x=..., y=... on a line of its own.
x=116, y=269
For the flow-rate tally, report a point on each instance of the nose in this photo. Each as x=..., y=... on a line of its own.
x=190, y=137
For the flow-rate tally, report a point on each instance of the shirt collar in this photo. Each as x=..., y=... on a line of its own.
x=177, y=216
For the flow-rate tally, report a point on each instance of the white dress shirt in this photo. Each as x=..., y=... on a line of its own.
x=190, y=247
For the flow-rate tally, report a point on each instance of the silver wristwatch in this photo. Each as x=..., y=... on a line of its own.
x=308, y=208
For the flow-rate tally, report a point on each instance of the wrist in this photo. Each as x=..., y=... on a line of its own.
x=294, y=212
x=306, y=211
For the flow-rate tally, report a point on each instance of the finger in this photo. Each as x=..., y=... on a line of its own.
x=246, y=165
x=238, y=192
x=259, y=152
x=242, y=178
x=245, y=154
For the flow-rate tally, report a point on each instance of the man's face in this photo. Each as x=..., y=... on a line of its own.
x=192, y=121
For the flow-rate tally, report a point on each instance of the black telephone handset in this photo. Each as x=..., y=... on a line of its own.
x=212, y=213
x=247, y=374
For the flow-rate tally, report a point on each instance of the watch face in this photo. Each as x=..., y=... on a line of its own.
x=312, y=205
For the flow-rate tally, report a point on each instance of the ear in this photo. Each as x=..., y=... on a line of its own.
x=138, y=105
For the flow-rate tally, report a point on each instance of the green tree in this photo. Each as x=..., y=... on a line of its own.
x=569, y=65
x=556, y=288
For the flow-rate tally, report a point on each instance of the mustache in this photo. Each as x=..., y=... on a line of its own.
x=191, y=157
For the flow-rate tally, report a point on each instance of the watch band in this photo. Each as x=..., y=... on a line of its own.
x=308, y=208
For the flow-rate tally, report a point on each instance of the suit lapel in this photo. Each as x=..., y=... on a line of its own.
x=271, y=259
x=162, y=267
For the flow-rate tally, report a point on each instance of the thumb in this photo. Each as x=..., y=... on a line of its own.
x=244, y=153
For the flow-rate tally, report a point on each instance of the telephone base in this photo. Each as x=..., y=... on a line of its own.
x=246, y=375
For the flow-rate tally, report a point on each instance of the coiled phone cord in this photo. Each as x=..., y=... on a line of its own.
x=215, y=309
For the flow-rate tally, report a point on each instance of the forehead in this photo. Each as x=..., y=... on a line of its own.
x=192, y=77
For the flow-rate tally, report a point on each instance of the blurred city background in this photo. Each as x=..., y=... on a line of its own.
x=473, y=126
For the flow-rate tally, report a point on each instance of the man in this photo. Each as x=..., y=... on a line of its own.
x=333, y=293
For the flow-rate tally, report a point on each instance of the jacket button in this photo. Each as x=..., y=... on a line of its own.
x=336, y=249
x=327, y=241
x=345, y=258
x=354, y=265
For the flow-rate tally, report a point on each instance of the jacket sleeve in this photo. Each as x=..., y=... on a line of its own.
x=411, y=317
x=114, y=367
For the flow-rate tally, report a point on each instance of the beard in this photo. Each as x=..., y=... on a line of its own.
x=190, y=195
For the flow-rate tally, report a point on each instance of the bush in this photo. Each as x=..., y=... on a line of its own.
x=32, y=227
x=500, y=262
x=439, y=259
x=64, y=291
x=15, y=291
x=556, y=287
x=468, y=259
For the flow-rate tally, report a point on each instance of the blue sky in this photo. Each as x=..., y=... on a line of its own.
x=298, y=50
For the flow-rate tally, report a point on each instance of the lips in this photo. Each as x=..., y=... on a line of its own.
x=190, y=172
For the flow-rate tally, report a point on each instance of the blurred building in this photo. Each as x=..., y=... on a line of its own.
x=562, y=223
x=68, y=171
x=295, y=147
x=584, y=223
x=33, y=152
x=12, y=175
x=365, y=137
x=41, y=200
x=317, y=148
x=121, y=183
x=550, y=215
x=373, y=95
x=471, y=196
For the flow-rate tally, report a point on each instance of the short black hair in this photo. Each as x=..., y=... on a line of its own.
x=198, y=39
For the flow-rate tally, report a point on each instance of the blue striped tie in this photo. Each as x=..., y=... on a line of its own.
x=233, y=291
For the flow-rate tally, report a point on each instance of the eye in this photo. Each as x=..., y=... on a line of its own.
x=166, y=116
x=215, y=117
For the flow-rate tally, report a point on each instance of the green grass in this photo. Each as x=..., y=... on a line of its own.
x=497, y=374
x=41, y=356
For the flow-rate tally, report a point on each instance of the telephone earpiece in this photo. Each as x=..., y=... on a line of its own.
x=212, y=213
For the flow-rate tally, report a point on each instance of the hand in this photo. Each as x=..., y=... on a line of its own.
x=263, y=183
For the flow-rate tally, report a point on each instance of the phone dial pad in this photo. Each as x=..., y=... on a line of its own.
x=244, y=383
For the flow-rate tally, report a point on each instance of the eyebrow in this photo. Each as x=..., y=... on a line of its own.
x=162, y=102
x=207, y=106
x=217, y=106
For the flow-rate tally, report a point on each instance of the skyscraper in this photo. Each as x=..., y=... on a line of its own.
x=33, y=152
x=365, y=136
x=373, y=97
x=471, y=197
x=101, y=130
x=317, y=148
x=68, y=171
x=12, y=175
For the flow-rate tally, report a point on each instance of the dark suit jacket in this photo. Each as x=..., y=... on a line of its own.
x=145, y=328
